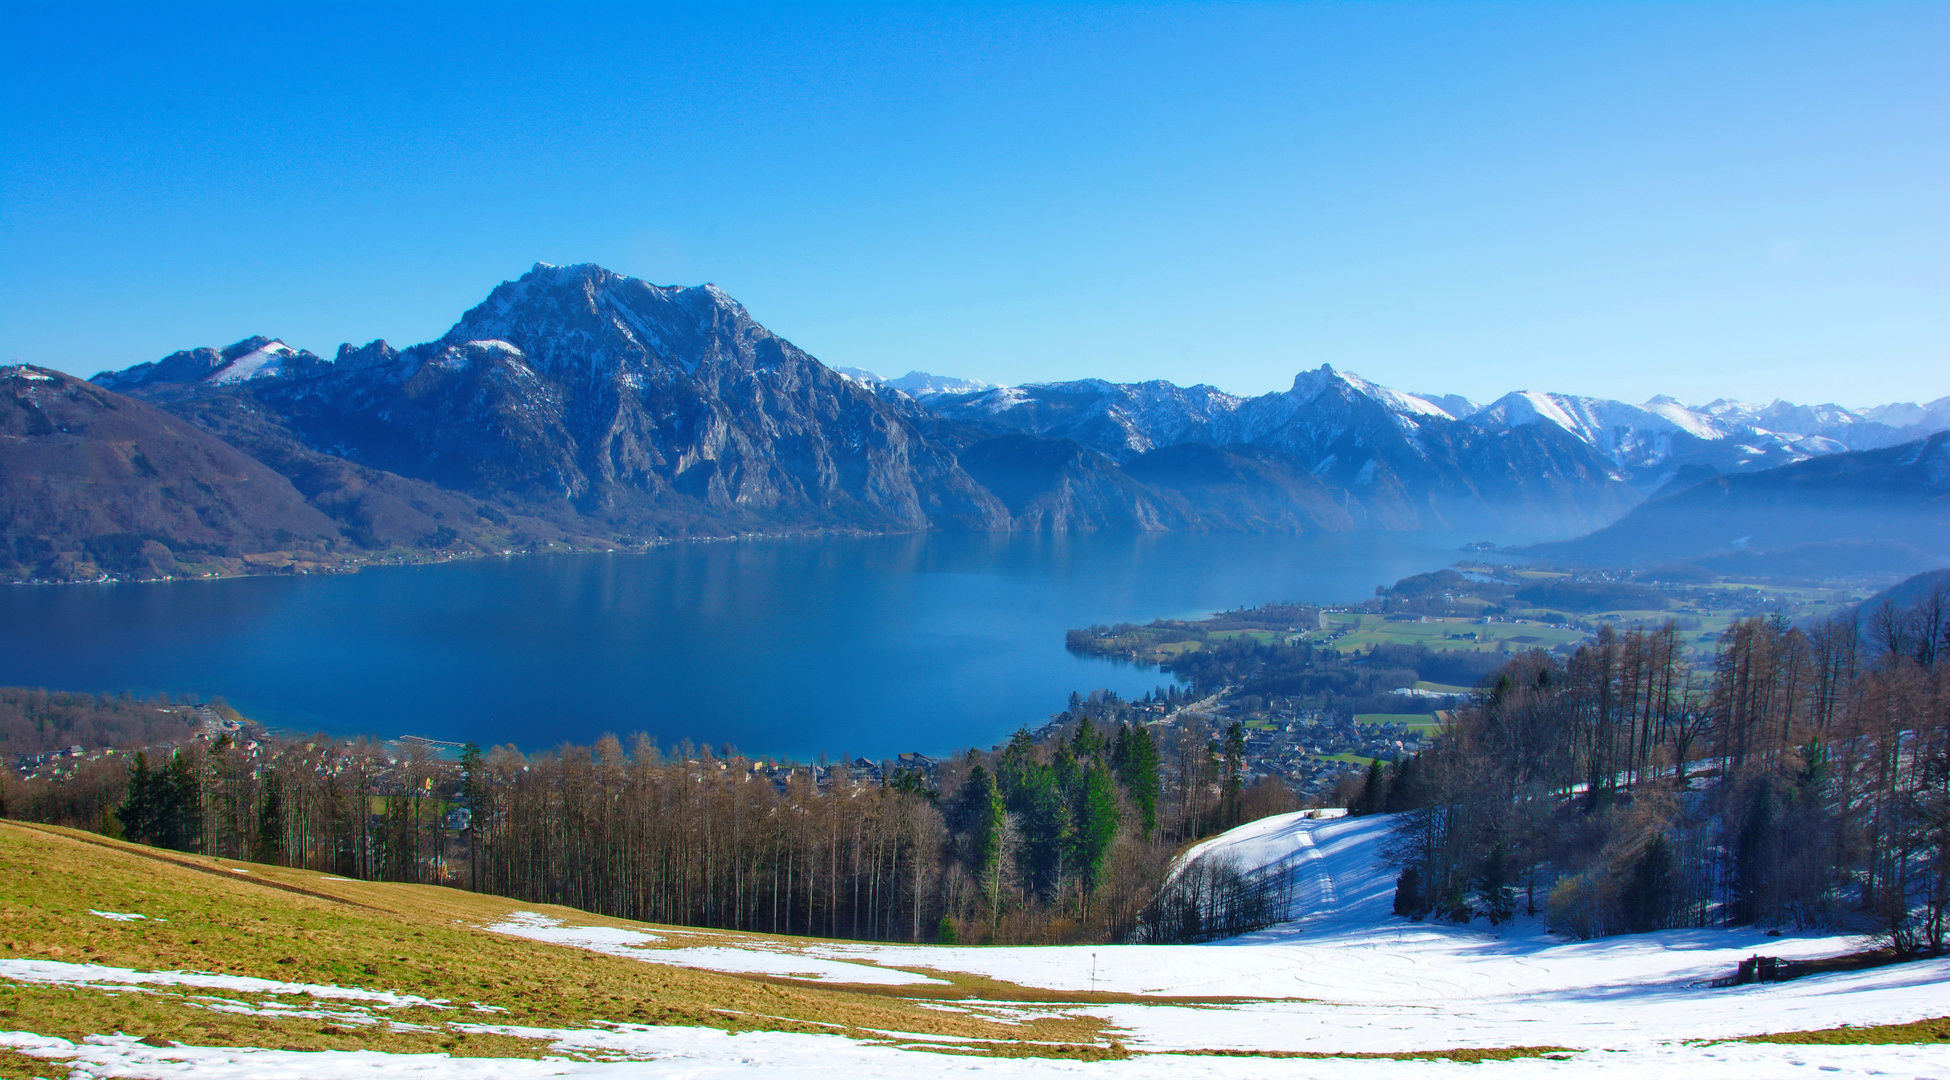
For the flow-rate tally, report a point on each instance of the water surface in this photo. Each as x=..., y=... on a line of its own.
x=781, y=647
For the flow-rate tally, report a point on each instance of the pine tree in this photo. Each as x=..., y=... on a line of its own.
x=268, y=845
x=1754, y=862
x=138, y=811
x=1135, y=757
x=1096, y=816
x=1651, y=892
x=1404, y=787
x=1017, y=757
x=1494, y=888
x=1409, y=900
x=1234, y=751
x=179, y=806
x=1373, y=791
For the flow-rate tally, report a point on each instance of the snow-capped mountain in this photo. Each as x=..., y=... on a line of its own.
x=599, y=404
x=1653, y=441
x=1646, y=445
x=917, y=384
x=252, y=358
x=1404, y=459
x=650, y=410
x=1121, y=420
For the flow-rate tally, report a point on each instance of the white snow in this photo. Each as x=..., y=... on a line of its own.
x=117, y=916
x=1343, y=975
x=262, y=362
x=1347, y=974
x=703, y=1053
x=634, y=944
x=54, y=972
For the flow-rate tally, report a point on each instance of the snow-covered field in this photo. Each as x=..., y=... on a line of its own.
x=701, y=1053
x=1343, y=976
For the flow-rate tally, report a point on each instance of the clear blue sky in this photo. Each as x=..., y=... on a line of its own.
x=1749, y=200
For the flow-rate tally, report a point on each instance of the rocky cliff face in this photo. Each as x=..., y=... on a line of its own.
x=641, y=409
x=646, y=408
x=592, y=404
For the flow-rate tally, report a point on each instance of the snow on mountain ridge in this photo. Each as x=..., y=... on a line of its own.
x=917, y=384
x=265, y=361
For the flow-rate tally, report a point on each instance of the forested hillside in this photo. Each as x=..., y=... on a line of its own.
x=1066, y=838
x=1800, y=778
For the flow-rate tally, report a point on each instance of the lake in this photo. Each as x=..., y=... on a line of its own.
x=789, y=648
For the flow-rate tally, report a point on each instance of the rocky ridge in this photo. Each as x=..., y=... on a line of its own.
x=576, y=405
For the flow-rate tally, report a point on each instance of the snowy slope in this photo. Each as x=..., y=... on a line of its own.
x=1343, y=976
x=1346, y=975
x=264, y=362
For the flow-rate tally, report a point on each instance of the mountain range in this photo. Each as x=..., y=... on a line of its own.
x=575, y=405
x=1869, y=513
x=1646, y=445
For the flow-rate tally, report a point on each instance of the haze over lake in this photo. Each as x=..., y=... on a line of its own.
x=781, y=647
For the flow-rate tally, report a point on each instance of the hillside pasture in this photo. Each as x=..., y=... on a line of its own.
x=119, y=960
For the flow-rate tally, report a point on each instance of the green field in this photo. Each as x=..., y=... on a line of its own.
x=1423, y=721
x=1443, y=688
x=1264, y=637
x=1361, y=631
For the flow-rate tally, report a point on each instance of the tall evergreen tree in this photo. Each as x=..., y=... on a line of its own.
x=1230, y=770
x=139, y=811
x=1135, y=757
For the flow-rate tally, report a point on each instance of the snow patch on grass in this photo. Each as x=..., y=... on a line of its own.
x=54, y=972
x=634, y=944
x=703, y=1054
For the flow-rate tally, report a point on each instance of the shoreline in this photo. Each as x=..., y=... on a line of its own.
x=288, y=564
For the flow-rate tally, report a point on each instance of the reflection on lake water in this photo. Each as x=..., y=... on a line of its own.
x=781, y=647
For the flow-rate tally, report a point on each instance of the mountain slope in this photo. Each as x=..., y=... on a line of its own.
x=1393, y=460
x=576, y=403
x=92, y=479
x=1898, y=495
x=643, y=409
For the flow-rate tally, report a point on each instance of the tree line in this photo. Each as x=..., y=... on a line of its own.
x=1064, y=838
x=1801, y=776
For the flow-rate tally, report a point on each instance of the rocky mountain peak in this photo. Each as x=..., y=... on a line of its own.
x=587, y=320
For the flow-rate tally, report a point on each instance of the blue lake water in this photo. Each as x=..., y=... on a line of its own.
x=780, y=647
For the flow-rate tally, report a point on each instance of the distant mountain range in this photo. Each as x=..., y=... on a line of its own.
x=1868, y=513
x=578, y=405
x=1647, y=445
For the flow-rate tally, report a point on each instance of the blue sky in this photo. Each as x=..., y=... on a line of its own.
x=1744, y=200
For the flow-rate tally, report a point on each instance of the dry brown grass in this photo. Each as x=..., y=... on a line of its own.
x=300, y=926
x=280, y=923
